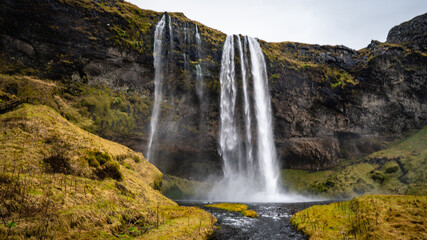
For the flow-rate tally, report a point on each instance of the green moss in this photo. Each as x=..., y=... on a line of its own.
x=352, y=178
x=235, y=207
x=378, y=176
x=129, y=25
x=411, y=153
x=302, y=180
x=338, y=78
x=97, y=109
x=96, y=157
x=110, y=170
x=249, y=213
x=93, y=162
x=158, y=184
x=390, y=167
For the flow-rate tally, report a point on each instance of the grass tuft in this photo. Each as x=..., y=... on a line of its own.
x=366, y=217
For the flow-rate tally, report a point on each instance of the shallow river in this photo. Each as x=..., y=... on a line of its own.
x=272, y=222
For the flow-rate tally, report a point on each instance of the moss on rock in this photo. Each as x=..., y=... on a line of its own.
x=235, y=207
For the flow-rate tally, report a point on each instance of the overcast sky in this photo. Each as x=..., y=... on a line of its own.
x=353, y=23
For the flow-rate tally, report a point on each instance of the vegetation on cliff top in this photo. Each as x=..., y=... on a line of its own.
x=59, y=181
x=366, y=217
x=304, y=58
x=131, y=25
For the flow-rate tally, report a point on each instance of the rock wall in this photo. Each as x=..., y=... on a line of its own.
x=329, y=102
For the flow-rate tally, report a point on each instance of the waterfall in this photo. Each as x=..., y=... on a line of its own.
x=247, y=176
x=199, y=76
x=198, y=38
x=158, y=82
x=265, y=139
x=247, y=112
x=228, y=137
x=170, y=31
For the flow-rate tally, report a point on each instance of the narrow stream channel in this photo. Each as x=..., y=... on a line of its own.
x=272, y=222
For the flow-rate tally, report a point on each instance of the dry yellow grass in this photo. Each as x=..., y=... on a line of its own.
x=71, y=201
x=235, y=207
x=366, y=217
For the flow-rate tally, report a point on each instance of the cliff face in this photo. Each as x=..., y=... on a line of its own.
x=329, y=102
x=368, y=97
x=411, y=33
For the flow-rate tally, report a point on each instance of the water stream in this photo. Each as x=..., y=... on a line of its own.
x=158, y=82
x=272, y=222
x=265, y=139
x=247, y=110
x=199, y=76
x=247, y=176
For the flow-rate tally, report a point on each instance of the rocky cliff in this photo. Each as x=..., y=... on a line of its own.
x=329, y=102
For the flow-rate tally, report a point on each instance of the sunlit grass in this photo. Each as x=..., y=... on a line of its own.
x=235, y=207
x=366, y=217
x=70, y=200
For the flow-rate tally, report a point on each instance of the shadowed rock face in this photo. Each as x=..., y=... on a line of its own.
x=329, y=102
x=412, y=33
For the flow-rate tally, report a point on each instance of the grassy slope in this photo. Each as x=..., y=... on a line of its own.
x=97, y=109
x=69, y=198
x=377, y=173
x=366, y=217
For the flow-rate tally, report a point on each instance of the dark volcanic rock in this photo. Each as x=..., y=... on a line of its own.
x=412, y=33
x=329, y=102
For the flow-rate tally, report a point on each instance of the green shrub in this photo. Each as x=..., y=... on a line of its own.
x=110, y=170
x=392, y=169
x=96, y=158
x=378, y=176
x=93, y=162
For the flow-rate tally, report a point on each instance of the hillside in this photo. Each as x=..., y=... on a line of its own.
x=398, y=169
x=60, y=182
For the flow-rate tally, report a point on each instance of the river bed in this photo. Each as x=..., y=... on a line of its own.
x=272, y=222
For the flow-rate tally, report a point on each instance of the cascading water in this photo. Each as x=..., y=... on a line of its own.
x=249, y=155
x=229, y=137
x=158, y=82
x=187, y=43
x=246, y=177
x=247, y=112
x=198, y=38
x=170, y=31
x=265, y=139
x=199, y=76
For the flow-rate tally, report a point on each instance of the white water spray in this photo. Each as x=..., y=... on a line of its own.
x=199, y=76
x=267, y=157
x=170, y=31
x=228, y=138
x=158, y=82
x=247, y=111
x=246, y=177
